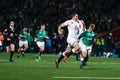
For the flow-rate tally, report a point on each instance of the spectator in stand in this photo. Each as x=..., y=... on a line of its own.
x=30, y=41
x=110, y=44
x=54, y=42
x=61, y=42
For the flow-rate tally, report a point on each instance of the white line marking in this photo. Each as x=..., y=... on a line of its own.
x=98, y=62
x=107, y=78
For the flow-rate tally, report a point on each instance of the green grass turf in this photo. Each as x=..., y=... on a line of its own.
x=28, y=69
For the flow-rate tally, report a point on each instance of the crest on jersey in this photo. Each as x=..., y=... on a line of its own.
x=71, y=22
x=76, y=27
x=11, y=35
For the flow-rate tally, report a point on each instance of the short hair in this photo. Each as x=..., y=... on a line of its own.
x=92, y=25
x=42, y=24
x=25, y=26
x=11, y=22
x=73, y=14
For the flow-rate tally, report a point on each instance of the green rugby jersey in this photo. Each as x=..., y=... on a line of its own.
x=40, y=35
x=88, y=37
x=23, y=33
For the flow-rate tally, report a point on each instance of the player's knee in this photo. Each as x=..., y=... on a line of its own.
x=41, y=49
x=26, y=47
x=89, y=54
x=7, y=51
x=76, y=44
x=84, y=54
x=76, y=52
x=12, y=49
x=77, y=49
x=67, y=50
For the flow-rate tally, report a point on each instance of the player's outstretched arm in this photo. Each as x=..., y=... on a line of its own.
x=60, y=27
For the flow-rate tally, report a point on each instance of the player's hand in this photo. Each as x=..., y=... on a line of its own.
x=46, y=37
x=35, y=39
x=60, y=32
x=24, y=36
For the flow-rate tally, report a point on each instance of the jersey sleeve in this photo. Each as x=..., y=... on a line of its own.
x=16, y=34
x=67, y=22
x=46, y=33
x=6, y=33
x=82, y=34
x=21, y=32
x=94, y=36
x=80, y=24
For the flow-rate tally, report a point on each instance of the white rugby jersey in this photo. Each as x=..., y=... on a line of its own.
x=81, y=30
x=73, y=28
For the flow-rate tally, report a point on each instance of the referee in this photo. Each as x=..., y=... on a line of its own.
x=11, y=35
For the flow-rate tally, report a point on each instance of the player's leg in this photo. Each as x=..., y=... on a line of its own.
x=69, y=53
x=78, y=55
x=88, y=53
x=75, y=49
x=70, y=42
x=8, y=48
x=20, y=47
x=83, y=54
x=25, y=48
x=41, y=49
x=86, y=58
x=12, y=49
x=0, y=46
x=68, y=50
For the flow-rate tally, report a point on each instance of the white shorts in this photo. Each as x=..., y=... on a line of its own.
x=84, y=47
x=80, y=42
x=0, y=43
x=40, y=44
x=21, y=43
x=71, y=40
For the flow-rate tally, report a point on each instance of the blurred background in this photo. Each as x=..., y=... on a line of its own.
x=105, y=14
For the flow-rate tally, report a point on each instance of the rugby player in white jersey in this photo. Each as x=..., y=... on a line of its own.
x=73, y=26
x=82, y=28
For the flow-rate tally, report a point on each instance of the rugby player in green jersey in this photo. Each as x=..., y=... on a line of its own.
x=40, y=36
x=86, y=43
x=23, y=41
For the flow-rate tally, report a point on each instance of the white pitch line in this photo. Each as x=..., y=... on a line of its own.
x=107, y=78
x=98, y=62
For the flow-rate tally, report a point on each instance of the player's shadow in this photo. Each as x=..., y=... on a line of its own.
x=96, y=67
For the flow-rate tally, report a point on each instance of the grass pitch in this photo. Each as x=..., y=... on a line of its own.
x=28, y=69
